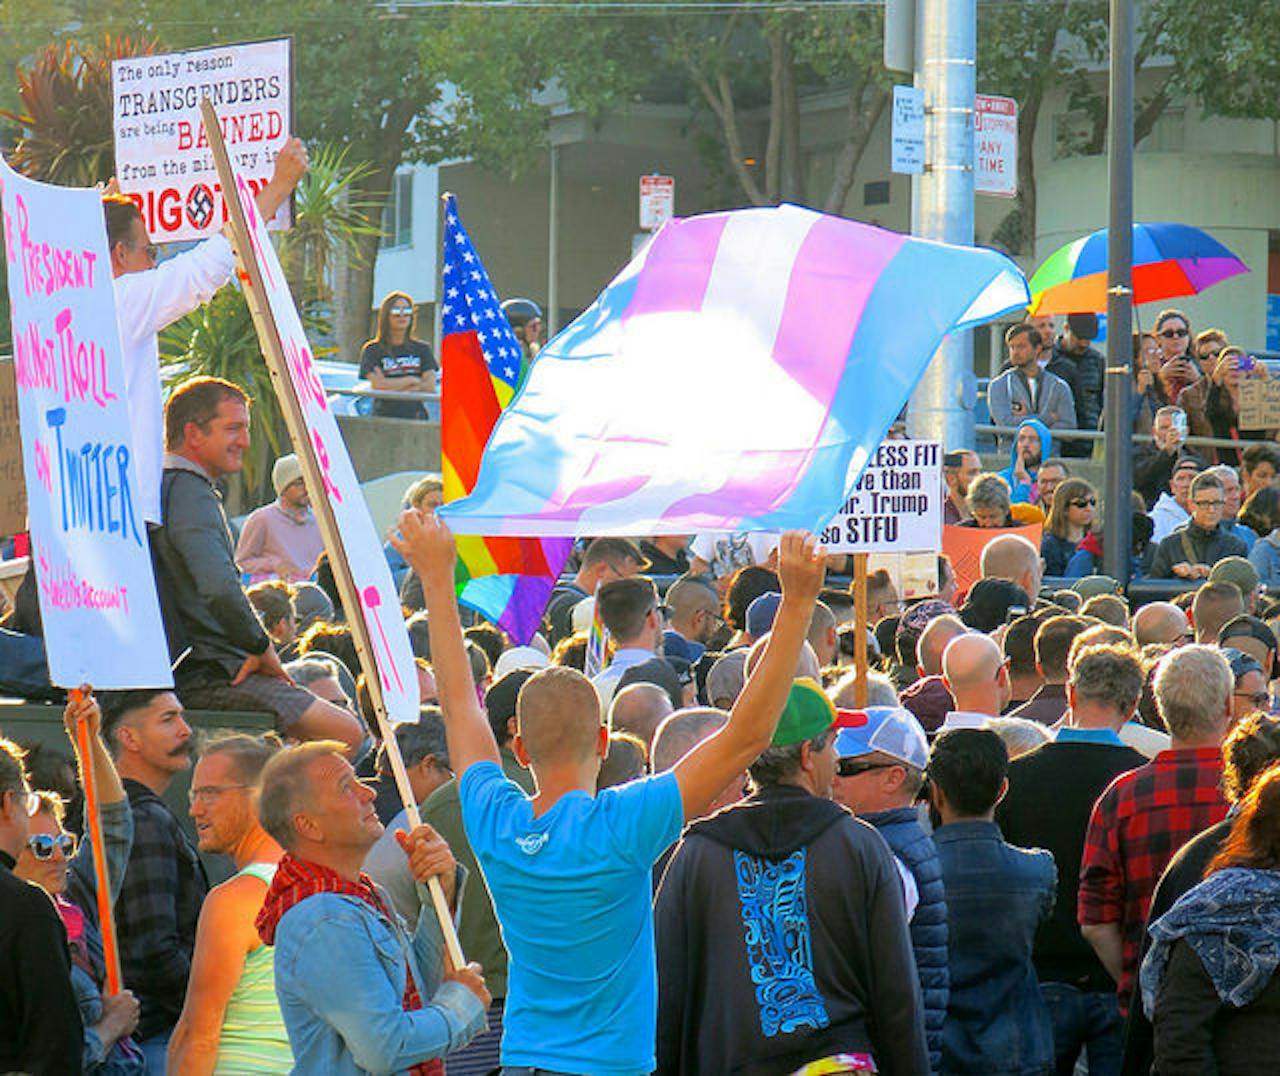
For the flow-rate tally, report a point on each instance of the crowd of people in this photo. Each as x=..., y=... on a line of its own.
x=1192, y=507
x=1038, y=836
x=1042, y=842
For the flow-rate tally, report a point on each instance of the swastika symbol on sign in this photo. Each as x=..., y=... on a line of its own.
x=200, y=205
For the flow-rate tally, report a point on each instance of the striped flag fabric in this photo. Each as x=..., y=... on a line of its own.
x=735, y=376
x=597, y=640
x=508, y=580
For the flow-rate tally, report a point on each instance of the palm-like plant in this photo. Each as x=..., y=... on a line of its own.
x=330, y=216
x=218, y=340
x=65, y=113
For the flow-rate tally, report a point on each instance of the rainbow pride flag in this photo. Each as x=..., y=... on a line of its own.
x=507, y=580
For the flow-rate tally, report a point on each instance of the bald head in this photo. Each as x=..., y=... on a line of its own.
x=682, y=732
x=970, y=659
x=558, y=717
x=937, y=634
x=1160, y=622
x=1012, y=557
x=974, y=671
x=639, y=709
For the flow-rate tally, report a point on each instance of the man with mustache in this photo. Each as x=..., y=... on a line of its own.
x=164, y=884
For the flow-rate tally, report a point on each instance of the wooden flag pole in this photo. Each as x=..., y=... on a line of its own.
x=860, y=629
x=250, y=274
x=93, y=824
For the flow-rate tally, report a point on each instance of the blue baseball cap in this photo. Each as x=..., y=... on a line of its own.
x=886, y=730
x=761, y=612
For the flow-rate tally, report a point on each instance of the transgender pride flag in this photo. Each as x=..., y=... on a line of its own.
x=737, y=375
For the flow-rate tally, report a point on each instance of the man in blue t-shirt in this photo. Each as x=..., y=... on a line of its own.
x=569, y=870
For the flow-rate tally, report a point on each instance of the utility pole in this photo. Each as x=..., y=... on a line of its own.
x=942, y=201
x=1119, y=380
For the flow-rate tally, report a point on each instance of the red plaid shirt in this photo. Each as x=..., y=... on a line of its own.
x=1137, y=826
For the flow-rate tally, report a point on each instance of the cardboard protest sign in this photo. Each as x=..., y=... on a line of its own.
x=896, y=507
x=88, y=538
x=13, y=490
x=1259, y=404
x=914, y=575
x=163, y=160
x=964, y=546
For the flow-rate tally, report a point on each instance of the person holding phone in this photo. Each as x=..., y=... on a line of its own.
x=1154, y=463
x=1222, y=404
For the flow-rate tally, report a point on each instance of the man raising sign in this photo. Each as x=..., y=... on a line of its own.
x=150, y=297
x=569, y=870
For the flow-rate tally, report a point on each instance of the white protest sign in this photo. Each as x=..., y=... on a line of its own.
x=907, y=130
x=896, y=506
x=162, y=154
x=995, y=145
x=96, y=588
x=339, y=490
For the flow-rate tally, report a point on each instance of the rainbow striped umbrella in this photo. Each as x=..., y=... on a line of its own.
x=1169, y=260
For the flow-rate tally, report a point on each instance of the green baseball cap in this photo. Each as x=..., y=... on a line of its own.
x=807, y=713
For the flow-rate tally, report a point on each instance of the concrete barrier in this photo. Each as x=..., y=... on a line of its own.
x=383, y=446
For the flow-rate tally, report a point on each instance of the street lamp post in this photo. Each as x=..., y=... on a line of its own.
x=1119, y=379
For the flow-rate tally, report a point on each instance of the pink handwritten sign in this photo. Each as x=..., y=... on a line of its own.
x=93, y=564
x=379, y=602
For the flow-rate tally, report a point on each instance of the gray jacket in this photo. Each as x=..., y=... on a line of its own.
x=204, y=606
x=1055, y=407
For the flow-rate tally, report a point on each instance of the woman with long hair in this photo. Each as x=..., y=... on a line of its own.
x=1071, y=516
x=1209, y=981
x=1261, y=513
x=395, y=361
x=1149, y=393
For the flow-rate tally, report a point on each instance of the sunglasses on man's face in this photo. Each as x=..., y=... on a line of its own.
x=1260, y=699
x=43, y=844
x=851, y=767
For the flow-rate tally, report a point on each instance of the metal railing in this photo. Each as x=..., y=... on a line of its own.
x=1138, y=438
x=385, y=394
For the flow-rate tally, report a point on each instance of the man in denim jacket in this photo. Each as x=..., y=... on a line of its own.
x=357, y=994
x=997, y=895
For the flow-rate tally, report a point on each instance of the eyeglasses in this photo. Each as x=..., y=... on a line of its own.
x=42, y=845
x=1209, y=504
x=1174, y=334
x=1085, y=502
x=851, y=767
x=149, y=249
x=402, y=312
x=207, y=793
x=1260, y=699
x=663, y=610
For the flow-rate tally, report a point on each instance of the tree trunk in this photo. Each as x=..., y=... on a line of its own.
x=792, y=186
x=773, y=181
x=356, y=306
x=851, y=155
x=1028, y=119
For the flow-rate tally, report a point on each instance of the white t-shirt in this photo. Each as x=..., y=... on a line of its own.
x=910, y=891
x=726, y=553
x=146, y=303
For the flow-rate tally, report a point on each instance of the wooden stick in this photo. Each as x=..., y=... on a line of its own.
x=93, y=824
x=860, y=629
x=272, y=350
